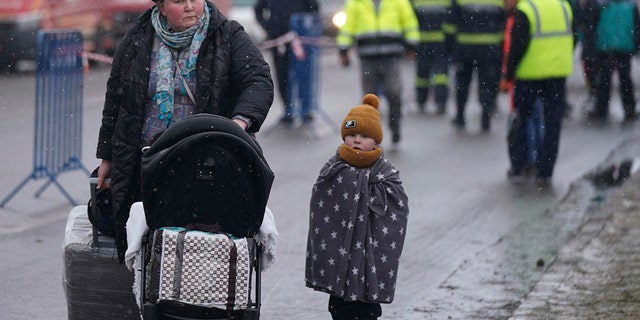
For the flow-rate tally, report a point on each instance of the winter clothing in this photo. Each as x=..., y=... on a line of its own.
x=231, y=79
x=432, y=55
x=364, y=119
x=478, y=46
x=357, y=226
x=615, y=47
x=585, y=21
x=540, y=26
x=535, y=126
x=274, y=16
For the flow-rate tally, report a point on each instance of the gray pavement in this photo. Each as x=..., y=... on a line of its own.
x=596, y=274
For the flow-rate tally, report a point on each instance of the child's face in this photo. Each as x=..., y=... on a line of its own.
x=360, y=142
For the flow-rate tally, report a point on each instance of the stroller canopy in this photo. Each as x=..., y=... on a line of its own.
x=205, y=172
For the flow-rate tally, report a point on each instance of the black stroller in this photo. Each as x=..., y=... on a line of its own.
x=205, y=186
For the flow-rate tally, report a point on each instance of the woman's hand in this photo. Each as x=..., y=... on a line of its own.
x=103, y=174
x=241, y=123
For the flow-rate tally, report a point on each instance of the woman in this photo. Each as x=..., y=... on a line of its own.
x=182, y=57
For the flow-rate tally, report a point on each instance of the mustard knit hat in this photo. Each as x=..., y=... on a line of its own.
x=364, y=119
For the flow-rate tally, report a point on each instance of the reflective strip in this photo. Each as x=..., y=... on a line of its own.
x=480, y=38
x=431, y=3
x=432, y=10
x=431, y=36
x=439, y=79
x=495, y=3
x=422, y=82
x=449, y=28
x=539, y=34
x=380, y=49
x=373, y=35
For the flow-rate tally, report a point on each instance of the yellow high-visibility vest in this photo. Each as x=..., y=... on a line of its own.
x=550, y=51
x=380, y=30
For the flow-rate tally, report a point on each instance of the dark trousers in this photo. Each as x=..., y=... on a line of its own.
x=281, y=64
x=353, y=310
x=591, y=69
x=134, y=194
x=552, y=94
x=610, y=62
x=488, y=70
x=381, y=76
x=432, y=73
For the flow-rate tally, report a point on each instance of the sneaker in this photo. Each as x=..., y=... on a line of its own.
x=516, y=177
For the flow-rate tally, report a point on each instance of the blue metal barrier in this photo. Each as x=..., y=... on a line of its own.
x=58, y=116
x=303, y=72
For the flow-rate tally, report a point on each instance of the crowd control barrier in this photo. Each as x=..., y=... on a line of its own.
x=303, y=62
x=58, y=114
x=304, y=73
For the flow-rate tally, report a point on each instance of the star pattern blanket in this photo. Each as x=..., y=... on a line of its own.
x=357, y=225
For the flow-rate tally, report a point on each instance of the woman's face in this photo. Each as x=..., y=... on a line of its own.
x=181, y=14
x=360, y=142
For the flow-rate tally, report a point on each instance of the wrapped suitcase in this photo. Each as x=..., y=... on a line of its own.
x=201, y=269
x=96, y=285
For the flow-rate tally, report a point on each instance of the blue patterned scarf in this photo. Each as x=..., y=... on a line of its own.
x=191, y=38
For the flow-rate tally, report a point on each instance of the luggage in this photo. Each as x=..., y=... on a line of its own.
x=96, y=285
x=197, y=268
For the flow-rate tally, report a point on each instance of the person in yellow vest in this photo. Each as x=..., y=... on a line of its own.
x=383, y=31
x=539, y=61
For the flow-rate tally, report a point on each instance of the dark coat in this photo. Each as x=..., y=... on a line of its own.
x=232, y=78
x=274, y=15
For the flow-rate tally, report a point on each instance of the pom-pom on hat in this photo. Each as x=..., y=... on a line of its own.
x=364, y=119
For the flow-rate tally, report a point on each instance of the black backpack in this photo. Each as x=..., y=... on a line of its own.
x=205, y=172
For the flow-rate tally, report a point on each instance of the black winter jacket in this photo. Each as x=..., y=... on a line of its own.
x=232, y=78
x=274, y=16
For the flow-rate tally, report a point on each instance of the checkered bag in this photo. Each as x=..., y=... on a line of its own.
x=200, y=268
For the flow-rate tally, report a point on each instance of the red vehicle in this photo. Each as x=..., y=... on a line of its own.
x=102, y=24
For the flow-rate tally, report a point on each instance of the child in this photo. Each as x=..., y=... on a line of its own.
x=358, y=219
